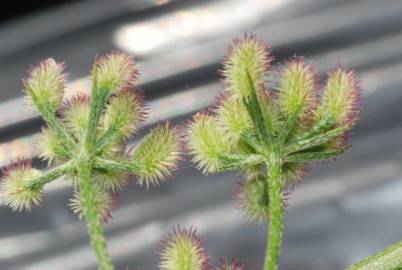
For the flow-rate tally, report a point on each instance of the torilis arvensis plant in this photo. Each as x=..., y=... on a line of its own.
x=85, y=141
x=271, y=133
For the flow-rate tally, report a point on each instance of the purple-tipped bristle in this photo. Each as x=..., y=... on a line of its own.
x=19, y=163
x=233, y=264
x=79, y=98
x=194, y=238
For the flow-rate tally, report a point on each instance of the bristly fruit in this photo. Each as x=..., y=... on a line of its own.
x=103, y=201
x=45, y=83
x=342, y=97
x=14, y=185
x=116, y=71
x=125, y=112
x=231, y=265
x=157, y=154
x=252, y=199
x=207, y=140
x=74, y=113
x=183, y=250
x=50, y=148
x=246, y=55
x=297, y=88
x=232, y=115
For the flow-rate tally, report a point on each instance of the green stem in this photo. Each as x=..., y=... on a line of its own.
x=50, y=176
x=233, y=161
x=309, y=156
x=99, y=97
x=254, y=110
x=48, y=115
x=288, y=126
x=275, y=214
x=318, y=128
x=316, y=140
x=92, y=218
x=117, y=166
x=104, y=140
x=388, y=259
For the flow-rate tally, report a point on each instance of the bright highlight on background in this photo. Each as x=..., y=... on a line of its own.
x=192, y=24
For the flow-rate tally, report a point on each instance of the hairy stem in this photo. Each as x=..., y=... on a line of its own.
x=275, y=214
x=105, y=139
x=92, y=217
x=117, y=166
x=388, y=259
x=318, y=128
x=48, y=115
x=233, y=161
x=98, y=97
x=307, y=156
x=49, y=176
x=254, y=110
x=288, y=126
x=316, y=140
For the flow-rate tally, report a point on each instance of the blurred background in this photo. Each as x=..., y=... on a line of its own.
x=343, y=212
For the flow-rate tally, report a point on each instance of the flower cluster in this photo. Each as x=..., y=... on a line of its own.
x=294, y=121
x=118, y=110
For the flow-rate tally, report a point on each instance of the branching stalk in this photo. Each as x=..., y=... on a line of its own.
x=275, y=215
x=92, y=218
x=67, y=141
x=310, y=156
x=117, y=166
x=98, y=98
x=50, y=176
x=316, y=140
x=105, y=139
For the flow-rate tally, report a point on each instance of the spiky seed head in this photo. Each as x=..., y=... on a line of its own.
x=231, y=265
x=103, y=201
x=269, y=109
x=293, y=174
x=125, y=112
x=247, y=55
x=232, y=115
x=50, y=148
x=253, y=171
x=115, y=71
x=342, y=97
x=157, y=154
x=114, y=149
x=298, y=86
x=109, y=180
x=13, y=186
x=253, y=200
x=75, y=113
x=206, y=141
x=45, y=83
x=183, y=250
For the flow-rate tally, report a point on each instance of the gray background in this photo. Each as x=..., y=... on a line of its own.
x=343, y=212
